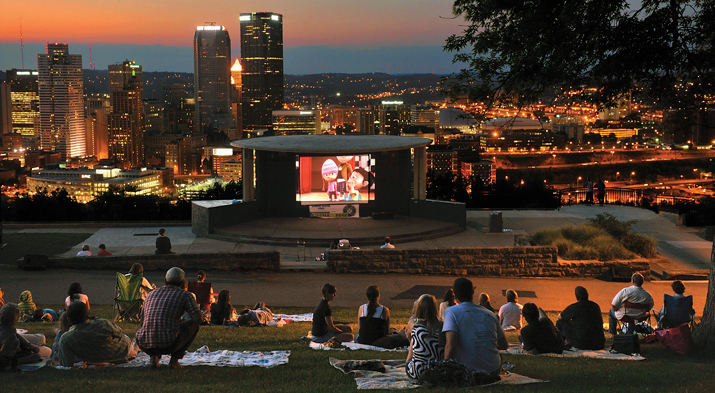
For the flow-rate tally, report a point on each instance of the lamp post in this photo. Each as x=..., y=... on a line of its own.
x=632, y=174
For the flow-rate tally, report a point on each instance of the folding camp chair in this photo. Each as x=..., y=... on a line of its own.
x=678, y=310
x=634, y=313
x=127, y=298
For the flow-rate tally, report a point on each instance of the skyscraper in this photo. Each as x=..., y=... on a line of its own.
x=126, y=123
x=262, y=61
x=212, y=77
x=25, y=101
x=61, y=101
x=236, y=82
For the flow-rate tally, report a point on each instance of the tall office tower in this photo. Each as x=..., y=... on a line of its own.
x=236, y=100
x=25, y=101
x=212, y=78
x=61, y=101
x=126, y=123
x=5, y=109
x=262, y=61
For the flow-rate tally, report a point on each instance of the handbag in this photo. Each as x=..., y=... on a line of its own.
x=679, y=339
x=626, y=343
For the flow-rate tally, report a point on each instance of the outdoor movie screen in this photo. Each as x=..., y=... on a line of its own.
x=342, y=179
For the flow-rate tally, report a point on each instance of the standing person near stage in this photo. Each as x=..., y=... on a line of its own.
x=323, y=327
x=601, y=187
x=582, y=323
x=589, y=191
x=163, y=244
x=474, y=335
x=162, y=332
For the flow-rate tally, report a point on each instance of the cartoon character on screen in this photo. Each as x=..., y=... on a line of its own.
x=345, y=169
x=360, y=179
x=330, y=174
x=352, y=194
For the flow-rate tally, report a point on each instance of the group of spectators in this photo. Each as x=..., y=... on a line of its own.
x=163, y=246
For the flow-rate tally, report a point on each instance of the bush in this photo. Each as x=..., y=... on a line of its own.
x=564, y=245
x=608, y=249
x=546, y=236
x=612, y=225
x=581, y=233
x=640, y=244
x=581, y=253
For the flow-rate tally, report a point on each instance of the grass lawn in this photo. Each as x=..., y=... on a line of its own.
x=309, y=370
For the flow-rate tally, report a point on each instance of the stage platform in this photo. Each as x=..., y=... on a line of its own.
x=320, y=232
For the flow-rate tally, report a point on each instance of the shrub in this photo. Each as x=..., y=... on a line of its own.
x=607, y=248
x=581, y=233
x=546, y=236
x=580, y=253
x=564, y=245
x=640, y=244
x=611, y=224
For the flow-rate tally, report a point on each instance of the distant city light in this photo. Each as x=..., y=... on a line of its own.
x=274, y=17
x=244, y=17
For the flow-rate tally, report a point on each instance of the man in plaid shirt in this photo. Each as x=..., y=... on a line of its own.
x=161, y=331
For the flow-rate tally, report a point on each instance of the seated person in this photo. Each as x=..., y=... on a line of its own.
x=582, y=323
x=485, y=302
x=448, y=301
x=222, y=312
x=375, y=323
x=63, y=326
x=473, y=333
x=146, y=287
x=678, y=293
x=510, y=313
x=259, y=315
x=634, y=294
x=98, y=341
x=74, y=294
x=103, y=251
x=12, y=345
x=2, y=294
x=424, y=337
x=27, y=306
x=540, y=335
x=85, y=251
x=323, y=327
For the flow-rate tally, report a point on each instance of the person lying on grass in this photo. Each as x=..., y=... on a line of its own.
x=259, y=315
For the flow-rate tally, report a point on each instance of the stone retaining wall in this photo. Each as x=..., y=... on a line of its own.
x=220, y=261
x=536, y=261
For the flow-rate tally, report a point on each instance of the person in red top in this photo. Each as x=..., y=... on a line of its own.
x=103, y=251
x=162, y=331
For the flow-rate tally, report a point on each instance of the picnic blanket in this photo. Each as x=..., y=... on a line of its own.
x=355, y=346
x=294, y=317
x=204, y=357
x=515, y=349
x=395, y=377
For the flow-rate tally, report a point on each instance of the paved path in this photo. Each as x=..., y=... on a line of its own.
x=683, y=246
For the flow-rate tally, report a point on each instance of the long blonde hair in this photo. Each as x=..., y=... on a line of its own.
x=426, y=312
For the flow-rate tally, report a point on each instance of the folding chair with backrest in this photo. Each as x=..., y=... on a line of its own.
x=202, y=290
x=635, y=312
x=677, y=311
x=127, y=299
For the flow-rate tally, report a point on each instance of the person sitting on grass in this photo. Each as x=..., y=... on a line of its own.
x=74, y=294
x=424, y=341
x=510, y=313
x=582, y=323
x=98, y=341
x=448, y=302
x=222, y=312
x=540, y=335
x=374, y=320
x=259, y=315
x=161, y=331
x=63, y=326
x=13, y=347
x=323, y=327
x=485, y=302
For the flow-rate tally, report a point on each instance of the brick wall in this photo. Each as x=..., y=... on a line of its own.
x=538, y=261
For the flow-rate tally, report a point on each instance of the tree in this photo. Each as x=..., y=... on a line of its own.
x=518, y=51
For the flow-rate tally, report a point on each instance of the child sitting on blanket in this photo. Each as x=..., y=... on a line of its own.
x=260, y=315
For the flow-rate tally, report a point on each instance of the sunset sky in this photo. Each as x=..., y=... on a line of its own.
x=319, y=35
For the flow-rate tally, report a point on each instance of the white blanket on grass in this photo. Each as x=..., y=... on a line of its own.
x=355, y=346
x=221, y=358
x=515, y=349
x=294, y=317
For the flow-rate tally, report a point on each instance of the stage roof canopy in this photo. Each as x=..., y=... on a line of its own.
x=331, y=144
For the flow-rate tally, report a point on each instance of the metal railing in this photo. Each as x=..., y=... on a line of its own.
x=621, y=196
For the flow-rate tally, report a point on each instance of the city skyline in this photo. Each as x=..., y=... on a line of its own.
x=399, y=36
